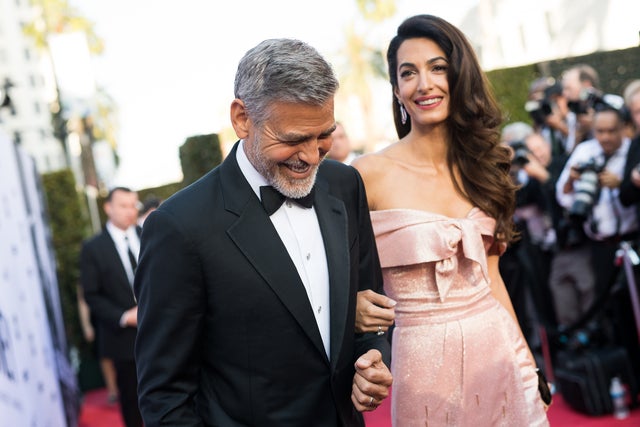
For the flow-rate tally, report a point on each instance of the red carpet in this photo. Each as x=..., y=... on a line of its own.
x=96, y=412
x=560, y=415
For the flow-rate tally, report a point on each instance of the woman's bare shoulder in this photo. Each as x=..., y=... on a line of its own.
x=373, y=164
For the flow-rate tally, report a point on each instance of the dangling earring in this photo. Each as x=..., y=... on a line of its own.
x=403, y=113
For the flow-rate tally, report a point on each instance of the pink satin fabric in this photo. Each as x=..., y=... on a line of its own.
x=457, y=358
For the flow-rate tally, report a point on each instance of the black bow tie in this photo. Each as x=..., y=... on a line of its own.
x=272, y=199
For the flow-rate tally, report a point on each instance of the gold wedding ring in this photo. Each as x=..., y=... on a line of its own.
x=371, y=403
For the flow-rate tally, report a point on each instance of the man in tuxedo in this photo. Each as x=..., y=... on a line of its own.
x=247, y=294
x=107, y=266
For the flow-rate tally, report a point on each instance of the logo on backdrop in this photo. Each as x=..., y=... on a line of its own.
x=7, y=363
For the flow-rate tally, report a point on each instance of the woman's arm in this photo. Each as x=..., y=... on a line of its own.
x=499, y=291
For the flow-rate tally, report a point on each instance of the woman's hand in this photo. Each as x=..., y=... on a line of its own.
x=374, y=312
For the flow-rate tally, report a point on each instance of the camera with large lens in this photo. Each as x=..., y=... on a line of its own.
x=542, y=107
x=586, y=189
x=520, y=153
x=538, y=110
x=591, y=98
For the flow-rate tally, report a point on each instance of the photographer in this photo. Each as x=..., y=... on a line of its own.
x=580, y=87
x=630, y=196
x=542, y=169
x=548, y=110
x=589, y=189
x=525, y=265
x=530, y=164
x=630, y=187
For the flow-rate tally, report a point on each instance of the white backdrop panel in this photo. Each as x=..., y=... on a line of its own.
x=29, y=386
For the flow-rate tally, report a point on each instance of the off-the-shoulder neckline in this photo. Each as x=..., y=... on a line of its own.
x=420, y=211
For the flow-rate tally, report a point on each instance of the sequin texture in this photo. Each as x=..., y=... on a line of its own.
x=457, y=358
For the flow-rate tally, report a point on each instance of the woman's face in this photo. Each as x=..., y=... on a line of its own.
x=423, y=88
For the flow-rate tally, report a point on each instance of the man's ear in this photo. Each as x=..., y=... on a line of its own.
x=239, y=118
x=107, y=208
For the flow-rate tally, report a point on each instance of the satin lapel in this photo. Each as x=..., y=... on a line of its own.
x=258, y=240
x=332, y=217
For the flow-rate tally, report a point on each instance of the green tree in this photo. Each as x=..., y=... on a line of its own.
x=105, y=125
x=377, y=10
x=69, y=226
x=198, y=155
x=57, y=17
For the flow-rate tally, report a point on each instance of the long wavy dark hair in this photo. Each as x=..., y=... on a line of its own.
x=473, y=123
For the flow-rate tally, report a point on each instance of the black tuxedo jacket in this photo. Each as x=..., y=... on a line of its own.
x=226, y=334
x=108, y=294
x=629, y=193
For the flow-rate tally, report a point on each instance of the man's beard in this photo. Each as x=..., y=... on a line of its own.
x=270, y=170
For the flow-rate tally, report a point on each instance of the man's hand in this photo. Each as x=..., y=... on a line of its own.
x=374, y=312
x=635, y=176
x=574, y=175
x=130, y=317
x=609, y=179
x=536, y=170
x=371, y=382
x=557, y=121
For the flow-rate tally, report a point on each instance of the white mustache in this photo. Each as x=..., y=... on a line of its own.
x=297, y=165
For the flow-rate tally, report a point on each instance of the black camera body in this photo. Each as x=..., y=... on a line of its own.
x=521, y=153
x=586, y=189
x=541, y=108
x=590, y=98
x=538, y=110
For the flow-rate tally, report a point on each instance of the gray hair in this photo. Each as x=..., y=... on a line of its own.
x=284, y=70
x=516, y=131
x=630, y=91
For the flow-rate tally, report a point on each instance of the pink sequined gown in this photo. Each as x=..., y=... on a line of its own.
x=458, y=358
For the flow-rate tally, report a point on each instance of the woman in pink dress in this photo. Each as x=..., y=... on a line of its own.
x=441, y=203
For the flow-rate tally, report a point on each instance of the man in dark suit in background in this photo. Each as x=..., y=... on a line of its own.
x=247, y=310
x=107, y=265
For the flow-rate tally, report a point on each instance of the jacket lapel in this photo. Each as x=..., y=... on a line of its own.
x=258, y=240
x=332, y=217
x=111, y=251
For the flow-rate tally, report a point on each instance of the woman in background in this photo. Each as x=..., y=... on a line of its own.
x=441, y=203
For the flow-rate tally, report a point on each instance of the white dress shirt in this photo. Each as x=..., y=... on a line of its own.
x=125, y=239
x=608, y=213
x=300, y=233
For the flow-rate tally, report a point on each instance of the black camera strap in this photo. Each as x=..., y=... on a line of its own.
x=557, y=148
x=616, y=212
x=614, y=206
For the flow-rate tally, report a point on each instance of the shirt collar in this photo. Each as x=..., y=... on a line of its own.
x=119, y=234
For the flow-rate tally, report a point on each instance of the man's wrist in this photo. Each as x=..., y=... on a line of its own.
x=123, y=320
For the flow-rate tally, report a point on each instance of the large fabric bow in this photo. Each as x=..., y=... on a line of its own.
x=433, y=238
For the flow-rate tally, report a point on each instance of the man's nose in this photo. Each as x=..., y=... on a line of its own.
x=310, y=152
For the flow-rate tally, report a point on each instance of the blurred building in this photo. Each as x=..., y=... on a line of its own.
x=509, y=33
x=52, y=81
x=26, y=75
